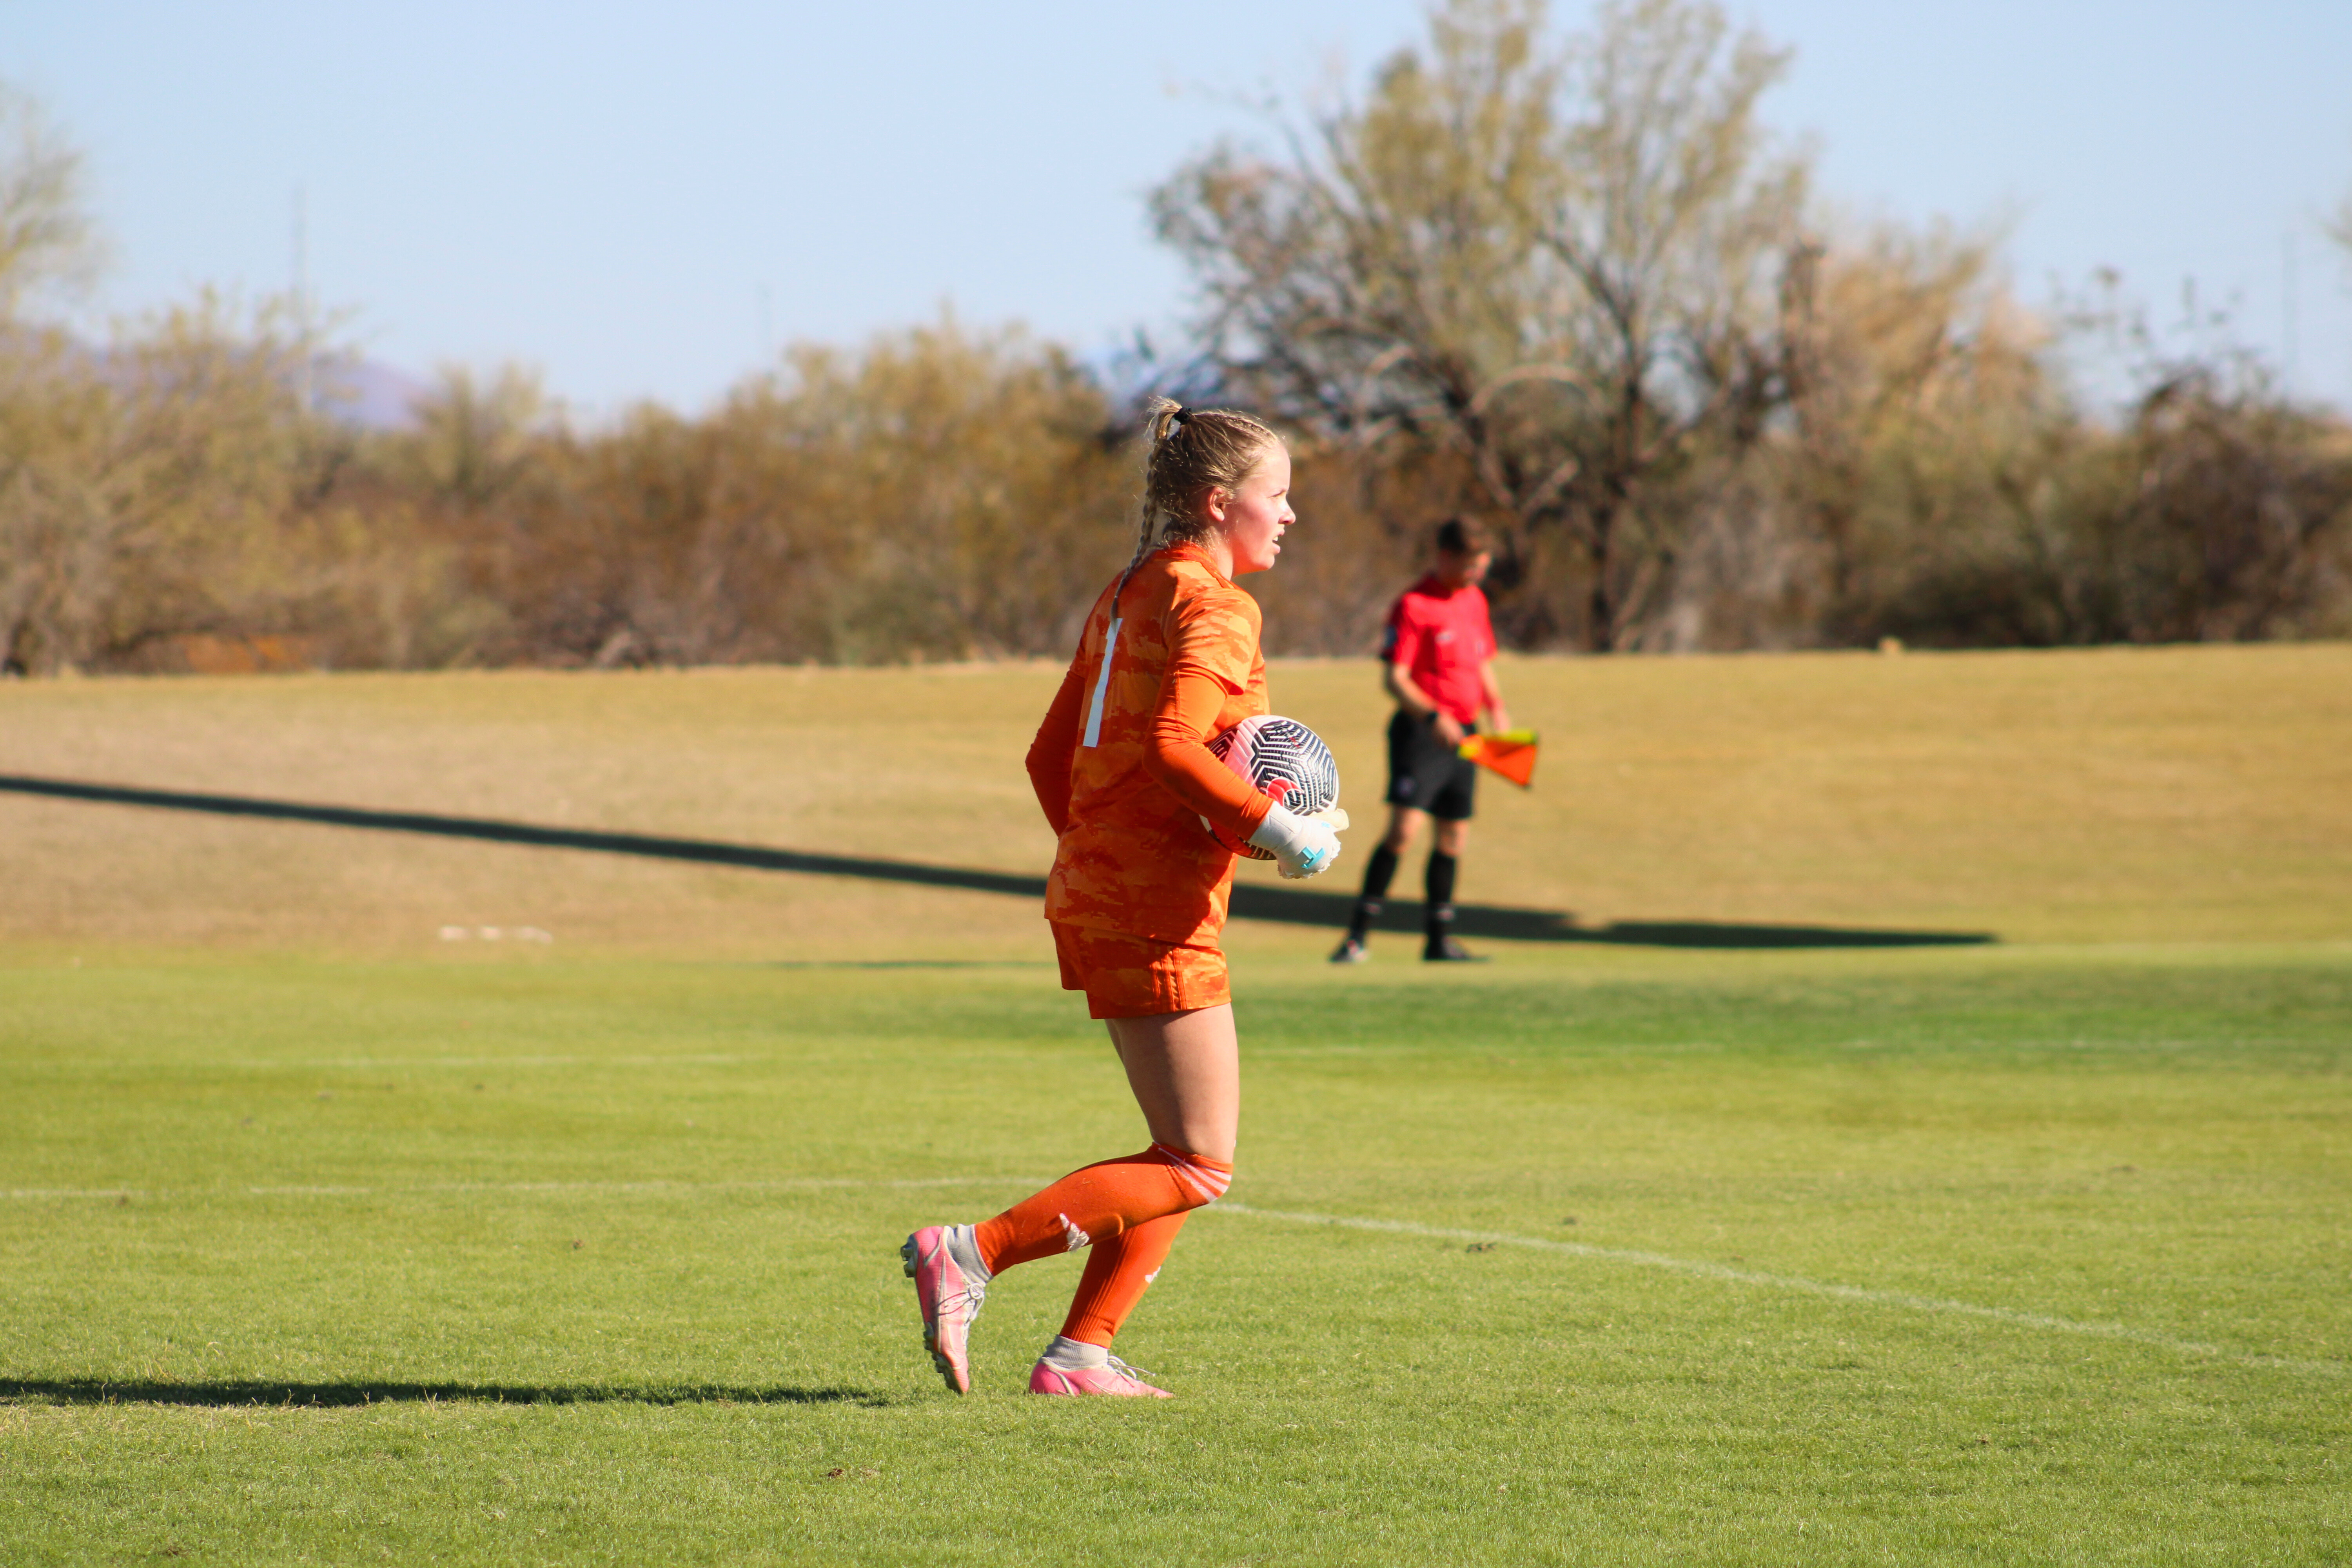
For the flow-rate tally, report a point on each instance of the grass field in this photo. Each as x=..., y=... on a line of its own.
x=323, y=1238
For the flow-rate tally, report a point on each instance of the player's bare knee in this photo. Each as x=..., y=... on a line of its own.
x=1200, y=1180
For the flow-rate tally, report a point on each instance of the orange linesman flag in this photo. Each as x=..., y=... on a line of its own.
x=1511, y=754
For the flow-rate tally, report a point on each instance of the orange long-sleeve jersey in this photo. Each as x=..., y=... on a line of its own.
x=1122, y=765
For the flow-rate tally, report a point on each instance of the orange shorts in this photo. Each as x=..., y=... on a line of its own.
x=1135, y=977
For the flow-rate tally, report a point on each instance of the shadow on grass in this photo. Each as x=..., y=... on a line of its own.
x=1297, y=907
x=909, y=963
x=325, y=1395
x=1250, y=901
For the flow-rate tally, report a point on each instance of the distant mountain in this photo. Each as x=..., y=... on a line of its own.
x=360, y=393
x=366, y=394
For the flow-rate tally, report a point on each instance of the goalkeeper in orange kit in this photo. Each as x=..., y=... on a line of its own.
x=1169, y=658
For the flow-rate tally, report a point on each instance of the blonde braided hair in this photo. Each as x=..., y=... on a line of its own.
x=1193, y=451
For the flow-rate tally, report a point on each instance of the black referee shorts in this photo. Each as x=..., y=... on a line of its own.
x=1426, y=773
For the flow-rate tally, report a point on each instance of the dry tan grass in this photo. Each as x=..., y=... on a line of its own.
x=2176, y=795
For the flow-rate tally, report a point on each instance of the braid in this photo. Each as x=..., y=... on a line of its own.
x=1192, y=451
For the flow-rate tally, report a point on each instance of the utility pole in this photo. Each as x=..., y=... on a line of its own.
x=302, y=300
x=2287, y=290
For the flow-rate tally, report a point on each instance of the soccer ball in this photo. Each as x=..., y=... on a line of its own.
x=1284, y=758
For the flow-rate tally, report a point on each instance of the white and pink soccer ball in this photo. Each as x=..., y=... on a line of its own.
x=1284, y=758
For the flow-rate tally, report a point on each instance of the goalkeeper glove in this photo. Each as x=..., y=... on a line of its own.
x=1300, y=846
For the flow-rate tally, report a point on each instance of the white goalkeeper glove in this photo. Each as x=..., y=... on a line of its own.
x=1301, y=846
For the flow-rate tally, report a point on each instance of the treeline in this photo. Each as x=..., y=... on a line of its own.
x=940, y=495
x=1564, y=284
x=1572, y=284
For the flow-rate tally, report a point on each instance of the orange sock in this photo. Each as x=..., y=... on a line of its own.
x=1118, y=1270
x=1099, y=1202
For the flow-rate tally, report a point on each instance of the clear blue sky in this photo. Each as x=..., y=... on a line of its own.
x=604, y=190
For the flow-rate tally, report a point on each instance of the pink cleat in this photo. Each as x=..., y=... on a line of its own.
x=1114, y=1377
x=949, y=1299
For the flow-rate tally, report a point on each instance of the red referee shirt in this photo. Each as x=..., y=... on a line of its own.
x=1442, y=636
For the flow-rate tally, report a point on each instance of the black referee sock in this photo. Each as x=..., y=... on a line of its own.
x=1378, y=873
x=1438, y=884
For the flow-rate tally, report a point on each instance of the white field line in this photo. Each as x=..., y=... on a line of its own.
x=1695, y=1267
x=75, y=1193
x=371, y=1064
x=379, y=1064
x=780, y=1184
x=1705, y=1270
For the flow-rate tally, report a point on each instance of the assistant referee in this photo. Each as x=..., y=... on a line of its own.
x=1437, y=659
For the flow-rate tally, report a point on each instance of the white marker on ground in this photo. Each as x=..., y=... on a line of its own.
x=1705, y=1270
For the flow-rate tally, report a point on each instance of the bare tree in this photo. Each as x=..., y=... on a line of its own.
x=151, y=495
x=47, y=235
x=1557, y=258
x=1901, y=349
x=51, y=532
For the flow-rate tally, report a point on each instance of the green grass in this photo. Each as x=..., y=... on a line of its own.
x=2116, y=794
x=323, y=1237
x=553, y=1259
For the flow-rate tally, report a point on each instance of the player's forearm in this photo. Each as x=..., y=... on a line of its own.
x=1409, y=697
x=1188, y=770
x=1051, y=785
x=1050, y=752
x=1177, y=757
x=1491, y=694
